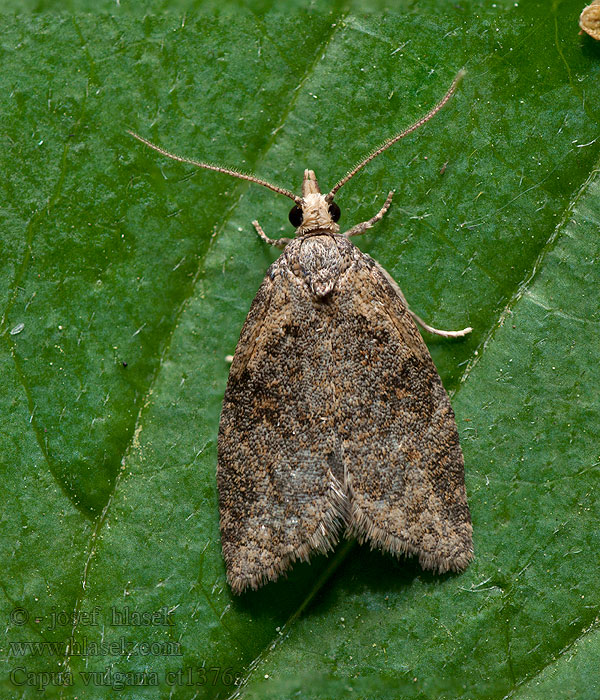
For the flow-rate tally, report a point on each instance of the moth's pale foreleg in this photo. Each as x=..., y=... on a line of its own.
x=361, y=228
x=277, y=242
x=437, y=331
x=418, y=319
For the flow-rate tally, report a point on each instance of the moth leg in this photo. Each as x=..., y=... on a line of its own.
x=277, y=242
x=420, y=321
x=361, y=228
x=437, y=331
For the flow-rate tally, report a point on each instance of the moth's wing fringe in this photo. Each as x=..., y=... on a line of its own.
x=365, y=530
x=323, y=540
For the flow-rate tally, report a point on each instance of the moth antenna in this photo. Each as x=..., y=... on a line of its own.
x=390, y=142
x=217, y=168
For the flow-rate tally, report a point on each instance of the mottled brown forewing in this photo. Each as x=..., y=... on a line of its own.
x=335, y=419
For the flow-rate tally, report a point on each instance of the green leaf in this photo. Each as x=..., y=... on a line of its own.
x=113, y=255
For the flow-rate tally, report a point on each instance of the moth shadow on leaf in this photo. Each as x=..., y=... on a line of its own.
x=380, y=571
x=359, y=568
x=289, y=592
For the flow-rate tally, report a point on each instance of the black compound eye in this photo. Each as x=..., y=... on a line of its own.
x=295, y=216
x=334, y=211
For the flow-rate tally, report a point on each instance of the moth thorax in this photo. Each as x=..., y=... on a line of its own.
x=320, y=264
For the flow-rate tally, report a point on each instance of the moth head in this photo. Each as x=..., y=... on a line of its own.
x=314, y=212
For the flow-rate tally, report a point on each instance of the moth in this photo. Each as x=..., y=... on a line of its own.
x=335, y=420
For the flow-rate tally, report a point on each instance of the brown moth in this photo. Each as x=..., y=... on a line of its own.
x=335, y=419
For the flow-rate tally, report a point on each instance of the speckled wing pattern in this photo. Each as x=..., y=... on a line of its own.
x=335, y=421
